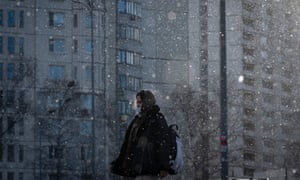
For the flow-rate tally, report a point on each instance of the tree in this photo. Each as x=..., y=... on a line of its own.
x=63, y=149
x=193, y=109
x=199, y=131
x=15, y=111
x=13, y=104
x=292, y=153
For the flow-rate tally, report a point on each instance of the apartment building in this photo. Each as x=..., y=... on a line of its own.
x=53, y=65
x=262, y=78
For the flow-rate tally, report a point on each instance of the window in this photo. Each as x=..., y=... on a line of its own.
x=1, y=150
x=122, y=6
x=21, y=71
x=129, y=7
x=249, y=96
x=287, y=102
x=124, y=107
x=10, y=101
x=1, y=17
x=88, y=46
x=11, y=125
x=286, y=87
x=75, y=73
x=88, y=73
x=248, y=36
x=21, y=176
x=1, y=104
x=249, y=172
x=21, y=97
x=54, y=100
x=249, y=126
x=287, y=116
x=75, y=20
x=134, y=83
x=88, y=21
x=129, y=32
x=1, y=124
x=129, y=82
x=268, y=69
x=133, y=8
x=267, y=84
x=75, y=45
x=56, y=72
x=21, y=126
x=56, y=127
x=249, y=111
x=248, y=51
x=268, y=98
x=1, y=71
x=86, y=101
x=21, y=45
x=249, y=141
x=122, y=81
x=21, y=19
x=249, y=81
x=268, y=158
x=270, y=114
x=268, y=129
x=128, y=57
x=286, y=130
x=11, y=18
x=121, y=57
x=10, y=153
x=11, y=45
x=85, y=152
x=1, y=45
x=249, y=156
x=287, y=72
x=55, y=176
x=86, y=128
x=10, y=175
x=268, y=143
x=248, y=66
x=56, y=45
x=21, y=153
x=56, y=19
x=56, y=152
x=10, y=71
x=82, y=153
x=248, y=21
x=248, y=5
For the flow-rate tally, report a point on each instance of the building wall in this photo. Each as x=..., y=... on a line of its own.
x=37, y=57
x=165, y=60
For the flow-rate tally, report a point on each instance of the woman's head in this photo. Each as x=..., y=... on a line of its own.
x=145, y=99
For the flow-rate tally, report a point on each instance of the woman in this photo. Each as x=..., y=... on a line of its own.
x=144, y=153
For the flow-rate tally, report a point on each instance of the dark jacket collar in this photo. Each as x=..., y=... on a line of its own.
x=154, y=109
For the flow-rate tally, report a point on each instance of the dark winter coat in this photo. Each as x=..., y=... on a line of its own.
x=144, y=150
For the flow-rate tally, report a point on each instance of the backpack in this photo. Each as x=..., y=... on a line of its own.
x=176, y=158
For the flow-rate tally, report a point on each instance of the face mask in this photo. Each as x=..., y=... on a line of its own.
x=137, y=110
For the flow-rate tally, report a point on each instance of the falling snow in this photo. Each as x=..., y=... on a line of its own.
x=171, y=47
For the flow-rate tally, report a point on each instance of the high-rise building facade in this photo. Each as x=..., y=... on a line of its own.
x=262, y=83
x=70, y=69
x=53, y=68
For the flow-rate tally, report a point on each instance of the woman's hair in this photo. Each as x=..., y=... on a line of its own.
x=147, y=98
